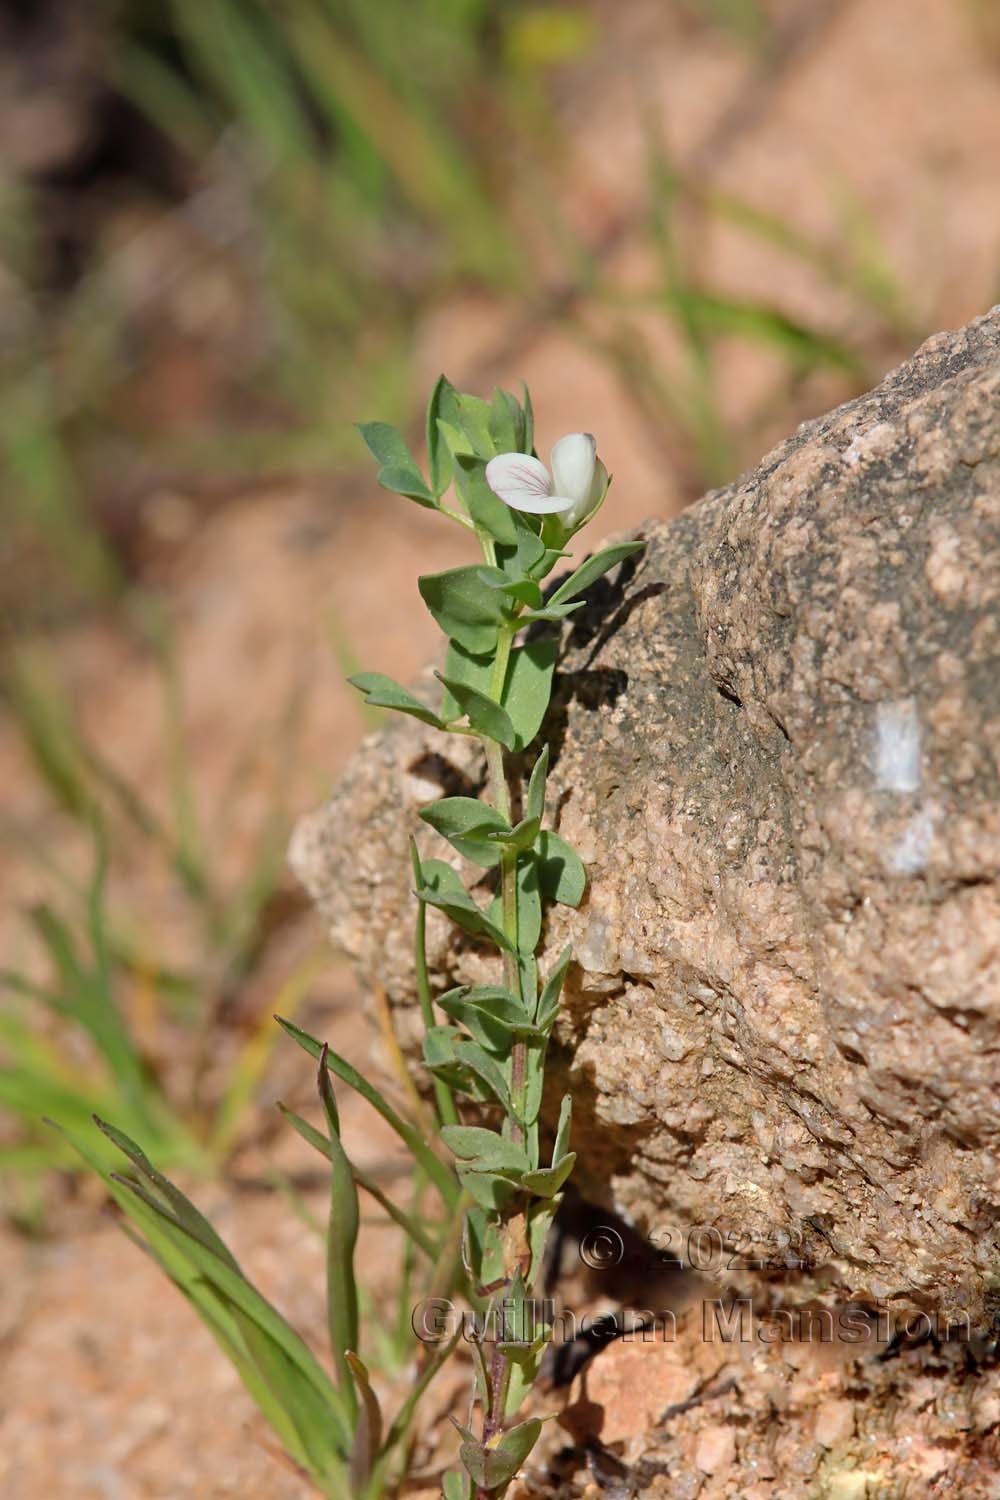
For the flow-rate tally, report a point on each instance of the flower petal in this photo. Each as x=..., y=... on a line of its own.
x=583, y=509
x=518, y=471
x=523, y=483
x=573, y=461
x=536, y=505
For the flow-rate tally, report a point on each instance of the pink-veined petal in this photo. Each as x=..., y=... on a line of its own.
x=523, y=483
x=520, y=472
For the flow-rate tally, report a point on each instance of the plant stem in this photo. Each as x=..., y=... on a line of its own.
x=508, y=875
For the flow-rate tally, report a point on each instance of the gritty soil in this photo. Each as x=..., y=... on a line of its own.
x=109, y=1388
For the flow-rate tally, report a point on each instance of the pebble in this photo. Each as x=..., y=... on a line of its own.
x=848, y=1485
x=834, y=1423
x=716, y=1449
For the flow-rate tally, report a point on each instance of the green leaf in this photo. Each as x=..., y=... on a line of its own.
x=398, y=470
x=524, y=1362
x=495, y=1463
x=486, y=1189
x=529, y=420
x=439, y=1045
x=593, y=568
x=382, y=692
x=528, y=974
x=545, y=1182
x=493, y=1001
x=534, y=1079
x=529, y=687
x=521, y=590
x=466, y=610
x=472, y=1056
x=506, y=422
x=466, y=667
x=238, y=1292
x=484, y=506
x=454, y=438
x=535, y=800
x=525, y=557
x=411, y=1138
x=518, y=839
x=483, y=1150
x=465, y=823
x=560, y=870
x=473, y=417
x=444, y=890
x=483, y=1247
x=486, y=716
x=546, y=561
x=529, y=905
x=548, y=1004
x=561, y=1145
x=523, y=1331
x=446, y=1110
x=442, y=1055
x=490, y=1033
x=550, y=613
x=438, y=457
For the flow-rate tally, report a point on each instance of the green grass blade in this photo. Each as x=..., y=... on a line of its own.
x=341, y=1239
x=436, y=1170
x=238, y=1319
x=191, y=1219
x=244, y=1299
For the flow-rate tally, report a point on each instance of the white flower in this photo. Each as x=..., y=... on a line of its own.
x=573, y=490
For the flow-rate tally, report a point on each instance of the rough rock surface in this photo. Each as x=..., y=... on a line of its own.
x=776, y=744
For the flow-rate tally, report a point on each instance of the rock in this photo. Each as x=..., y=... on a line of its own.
x=776, y=744
x=628, y=1389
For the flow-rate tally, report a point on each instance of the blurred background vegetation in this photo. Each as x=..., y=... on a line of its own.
x=230, y=228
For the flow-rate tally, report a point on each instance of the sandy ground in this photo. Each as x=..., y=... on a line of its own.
x=109, y=1390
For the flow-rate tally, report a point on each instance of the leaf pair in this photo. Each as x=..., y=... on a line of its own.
x=494, y=1463
x=513, y=721
x=523, y=696
x=549, y=867
x=477, y=831
x=467, y=1065
x=485, y=1151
